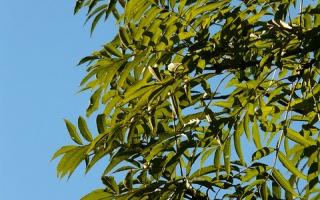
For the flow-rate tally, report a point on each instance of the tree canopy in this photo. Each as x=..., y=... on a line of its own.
x=202, y=99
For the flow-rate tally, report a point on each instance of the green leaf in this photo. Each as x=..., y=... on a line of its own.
x=283, y=182
x=208, y=7
x=292, y=181
x=101, y=123
x=203, y=171
x=253, y=184
x=110, y=183
x=87, y=59
x=252, y=172
x=172, y=3
x=316, y=20
x=237, y=142
x=95, y=11
x=296, y=137
x=217, y=160
x=99, y=194
x=111, y=49
x=145, y=22
x=313, y=175
x=111, y=7
x=224, y=104
x=70, y=161
x=109, y=95
x=94, y=102
x=202, y=64
x=255, y=134
x=139, y=93
x=205, y=156
x=265, y=151
x=63, y=150
x=115, y=160
x=186, y=35
x=124, y=37
x=95, y=21
x=88, y=76
x=226, y=155
x=78, y=6
x=128, y=180
x=307, y=21
x=264, y=191
x=124, y=168
x=73, y=132
x=157, y=148
x=111, y=105
x=91, y=4
x=181, y=5
x=246, y=123
x=84, y=130
x=254, y=18
x=125, y=73
x=99, y=154
x=265, y=61
x=276, y=190
x=290, y=166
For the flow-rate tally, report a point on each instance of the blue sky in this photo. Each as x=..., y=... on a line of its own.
x=40, y=44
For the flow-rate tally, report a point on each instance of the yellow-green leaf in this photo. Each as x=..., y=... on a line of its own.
x=290, y=166
x=73, y=132
x=252, y=172
x=282, y=181
x=84, y=130
x=217, y=159
x=246, y=123
x=237, y=142
x=100, y=194
x=253, y=184
x=255, y=134
x=63, y=150
x=264, y=191
x=295, y=136
x=110, y=183
x=94, y=102
x=262, y=153
x=186, y=35
x=112, y=50
x=226, y=156
x=124, y=37
x=172, y=3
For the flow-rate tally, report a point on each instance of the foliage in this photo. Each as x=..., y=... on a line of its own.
x=185, y=85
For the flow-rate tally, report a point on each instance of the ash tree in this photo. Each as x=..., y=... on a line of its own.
x=202, y=99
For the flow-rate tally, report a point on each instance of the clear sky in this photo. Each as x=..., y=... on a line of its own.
x=40, y=44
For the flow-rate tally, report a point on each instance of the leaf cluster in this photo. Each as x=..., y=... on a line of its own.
x=185, y=85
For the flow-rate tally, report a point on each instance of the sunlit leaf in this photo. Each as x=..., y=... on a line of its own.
x=290, y=166
x=110, y=183
x=73, y=132
x=265, y=151
x=84, y=130
x=283, y=182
